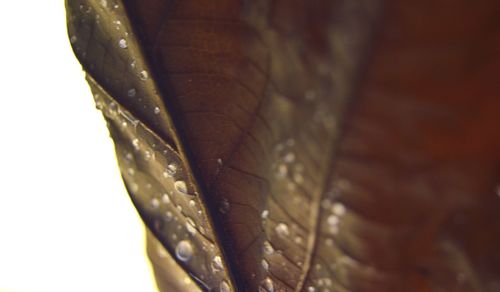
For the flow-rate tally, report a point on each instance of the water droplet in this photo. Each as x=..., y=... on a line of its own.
x=130, y=171
x=192, y=203
x=298, y=240
x=122, y=43
x=170, y=170
x=131, y=92
x=157, y=110
x=155, y=203
x=224, y=287
x=143, y=75
x=332, y=220
x=224, y=206
x=165, y=198
x=281, y=170
x=73, y=39
x=289, y=157
x=311, y=289
x=190, y=226
x=338, y=209
x=132, y=64
x=181, y=187
x=282, y=230
x=147, y=155
x=219, y=161
x=184, y=250
x=168, y=216
x=129, y=156
x=217, y=264
x=264, y=214
x=134, y=187
x=298, y=178
x=268, y=284
x=268, y=248
x=104, y=3
x=265, y=265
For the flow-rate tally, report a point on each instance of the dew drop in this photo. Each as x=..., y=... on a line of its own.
x=130, y=171
x=165, y=198
x=264, y=214
x=184, y=250
x=224, y=287
x=311, y=289
x=190, y=226
x=170, y=170
x=131, y=92
x=281, y=170
x=268, y=284
x=289, y=157
x=268, y=248
x=134, y=187
x=73, y=39
x=217, y=264
x=192, y=203
x=157, y=110
x=155, y=203
x=338, y=209
x=265, y=265
x=181, y=187
x=282, y=230
x=224, y=206
x=332, y=220
x=168, y=216
x=122, y=43
x=143, y=75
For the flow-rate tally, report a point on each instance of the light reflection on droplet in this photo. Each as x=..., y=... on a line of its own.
x=224, y=287
x=143, y=75
x=268, y=284
x=131, y=92
x=122, y=43
x=217, y=264
x=282, y=230
x=181, y=187
x=184, y=250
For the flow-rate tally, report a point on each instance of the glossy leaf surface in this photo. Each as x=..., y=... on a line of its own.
x=304, y=145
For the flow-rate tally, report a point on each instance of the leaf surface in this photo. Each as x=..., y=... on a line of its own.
x=303, y=146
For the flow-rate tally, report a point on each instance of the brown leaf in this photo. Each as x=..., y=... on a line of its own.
x=304, y=146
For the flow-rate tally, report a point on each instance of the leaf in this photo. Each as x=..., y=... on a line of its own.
x=304, y=146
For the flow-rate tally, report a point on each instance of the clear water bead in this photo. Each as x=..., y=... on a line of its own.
x=224, y=287
x=181, y=187
x=165, y=198
x=73, y=39
x=268, y=284
x=217, y=264
x=170, y=170
x=338, y=209
x=311, y=289
x=131, y=92
x=264, y=214
x=143, y=75
x=332, y=220
x=184, y=250
x=157, y=110
x=282, y=230
x=190, y=226
x=268, y=248
x=265, y=265
x=122, y=43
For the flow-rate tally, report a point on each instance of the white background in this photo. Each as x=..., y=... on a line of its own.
x=66, y=223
